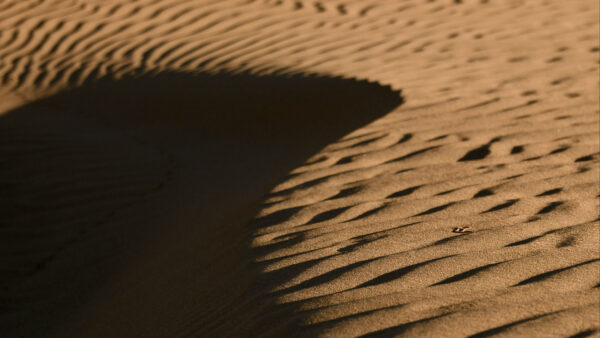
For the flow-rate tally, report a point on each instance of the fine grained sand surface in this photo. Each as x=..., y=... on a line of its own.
x=276, y=168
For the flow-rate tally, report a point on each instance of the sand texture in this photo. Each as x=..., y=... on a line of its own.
x=208, y=168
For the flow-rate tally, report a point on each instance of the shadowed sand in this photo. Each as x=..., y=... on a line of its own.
x=234, y=167
x=149, y=181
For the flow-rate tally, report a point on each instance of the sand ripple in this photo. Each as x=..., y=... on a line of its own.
x=498, y=132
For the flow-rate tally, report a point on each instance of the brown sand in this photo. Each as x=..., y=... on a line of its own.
x=334, y=168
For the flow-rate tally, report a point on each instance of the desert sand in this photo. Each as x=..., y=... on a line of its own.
x=207, y=168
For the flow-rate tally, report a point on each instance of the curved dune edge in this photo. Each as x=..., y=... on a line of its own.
x=498, y=134
x=143, y=197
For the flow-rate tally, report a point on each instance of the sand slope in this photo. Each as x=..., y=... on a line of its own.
x=201, y=168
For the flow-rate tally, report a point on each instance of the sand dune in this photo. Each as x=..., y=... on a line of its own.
x=268, y=168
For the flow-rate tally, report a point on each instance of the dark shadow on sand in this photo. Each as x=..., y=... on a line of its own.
x=127, y=201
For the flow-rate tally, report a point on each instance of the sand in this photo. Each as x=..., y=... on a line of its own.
x=298, y=168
